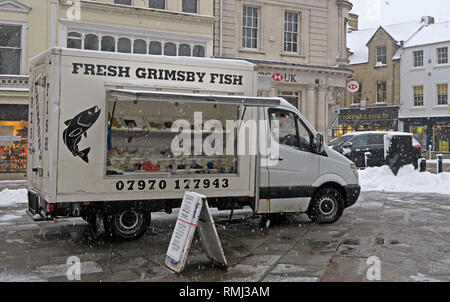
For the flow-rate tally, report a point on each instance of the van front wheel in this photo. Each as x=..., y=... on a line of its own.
x=327, y=206
x=127, y=224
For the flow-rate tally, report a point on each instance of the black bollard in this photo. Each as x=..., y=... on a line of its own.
x=440, y=163
x=422, y=165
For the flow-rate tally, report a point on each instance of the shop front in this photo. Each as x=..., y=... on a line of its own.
x=430, y=131
x=13, y=141
x=368, y=119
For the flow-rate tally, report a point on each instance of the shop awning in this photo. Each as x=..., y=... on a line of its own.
x=182, y=97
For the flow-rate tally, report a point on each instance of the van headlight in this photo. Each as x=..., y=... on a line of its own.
x=355, y=170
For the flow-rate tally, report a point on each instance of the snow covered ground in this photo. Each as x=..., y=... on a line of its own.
x=379, y=179
x=13, y=198
x=407, y=180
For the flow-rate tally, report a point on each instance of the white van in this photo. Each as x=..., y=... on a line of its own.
x=114, y=137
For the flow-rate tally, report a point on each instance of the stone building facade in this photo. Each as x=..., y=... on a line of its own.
x=375, y=57
x=299, y=47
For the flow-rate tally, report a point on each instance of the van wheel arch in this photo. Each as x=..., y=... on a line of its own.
x=330, y=196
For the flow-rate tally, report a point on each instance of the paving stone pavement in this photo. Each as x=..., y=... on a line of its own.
x=408, y=233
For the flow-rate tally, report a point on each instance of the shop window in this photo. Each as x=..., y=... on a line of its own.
x=155, y=48
x=291, y=32
x=250, y=27
x=10, y=49
x=418, y=58
x=418, y=96
x=441, y=138
x=108, y=44
x=442, y=94
x=199, y=51
x=158, y=4
x=442, y=55
x=381, y=92
x=141, y=140
x=190, y=6
x=13, y=146
x=420, y=134
x=140, y=47
x=184, y=50
x=124, y=45
x=170, y=49
x=91, y=42
x=74, y=40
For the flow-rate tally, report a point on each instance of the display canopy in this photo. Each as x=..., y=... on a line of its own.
x=166, y=96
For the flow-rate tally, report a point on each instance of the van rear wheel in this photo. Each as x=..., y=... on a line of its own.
x=327, y=206
x=127, y=224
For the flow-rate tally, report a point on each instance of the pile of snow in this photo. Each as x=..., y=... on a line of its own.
x=12, y=198
x=408, y=180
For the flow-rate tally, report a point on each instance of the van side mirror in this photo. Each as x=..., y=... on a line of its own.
x=318, y=143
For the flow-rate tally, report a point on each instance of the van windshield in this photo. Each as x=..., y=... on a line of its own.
x=340, y=140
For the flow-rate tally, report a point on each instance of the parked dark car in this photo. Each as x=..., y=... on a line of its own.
x=395, y=149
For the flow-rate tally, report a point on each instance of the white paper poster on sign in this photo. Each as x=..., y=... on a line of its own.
x=353, y=87
x=194, y=212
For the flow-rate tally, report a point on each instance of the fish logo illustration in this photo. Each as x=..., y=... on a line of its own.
x=76, y=128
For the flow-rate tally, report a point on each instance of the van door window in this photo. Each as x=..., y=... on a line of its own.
x=305, y=137
x=287, y=130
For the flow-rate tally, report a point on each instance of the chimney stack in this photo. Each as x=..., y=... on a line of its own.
x=427, y=20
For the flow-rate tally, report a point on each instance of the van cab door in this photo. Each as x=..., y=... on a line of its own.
x=292, y=174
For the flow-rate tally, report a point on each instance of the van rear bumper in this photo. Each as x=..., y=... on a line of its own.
x=352, y=193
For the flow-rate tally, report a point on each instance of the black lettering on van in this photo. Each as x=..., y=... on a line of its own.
x=140, y=73
x=181, y=76
x=124, y=72
x=201, y=76
x=112, y=71
x=89, y=69
x=76, y=67
x=101, y=70
x=170, y=75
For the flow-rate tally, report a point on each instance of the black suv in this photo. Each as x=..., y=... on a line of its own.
x=395, y=149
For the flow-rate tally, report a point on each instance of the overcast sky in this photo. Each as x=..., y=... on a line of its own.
x=373, y=13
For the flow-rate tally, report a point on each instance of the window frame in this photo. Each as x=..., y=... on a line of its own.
x=189, y=12
x=416, y=97
x=165, y=5
x=245, y=27
x=418, y=59
x=440, y=57
x=438, y=95
x=384, y=92
x=131, y=2
x=23, y=43
x=384, y=62
x=286, y=32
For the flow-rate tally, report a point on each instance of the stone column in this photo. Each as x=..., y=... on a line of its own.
x=310, y=105
x=322, y=110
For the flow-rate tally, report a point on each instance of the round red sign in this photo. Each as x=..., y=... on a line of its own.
x=353, y=87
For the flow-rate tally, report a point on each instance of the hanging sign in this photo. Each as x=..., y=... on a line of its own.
x=353, y=87
x=194, y=213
